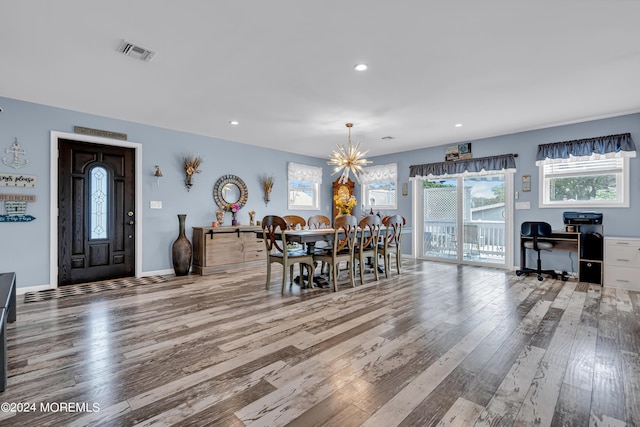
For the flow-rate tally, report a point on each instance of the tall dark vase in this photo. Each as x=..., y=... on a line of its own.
x=181, y=250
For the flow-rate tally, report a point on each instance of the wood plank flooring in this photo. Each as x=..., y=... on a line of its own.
x=439, y=344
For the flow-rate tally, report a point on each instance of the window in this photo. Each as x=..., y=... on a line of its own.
x=592, y=172
x=99, y=202
x=380, y=187
x=575, y=182
x=304, y=186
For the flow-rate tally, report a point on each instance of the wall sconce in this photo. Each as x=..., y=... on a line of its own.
x=157, y=174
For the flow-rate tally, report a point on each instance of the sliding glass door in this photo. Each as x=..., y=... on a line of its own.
x=465, y=219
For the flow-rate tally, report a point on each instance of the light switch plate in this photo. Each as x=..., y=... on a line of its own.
x=155, y=204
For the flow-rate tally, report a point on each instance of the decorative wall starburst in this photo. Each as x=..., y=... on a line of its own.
x=348, y=159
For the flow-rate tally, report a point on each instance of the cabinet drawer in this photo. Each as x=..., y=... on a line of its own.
x=622, y=278
x=255, y=255
x=254, y=244
x=622, y=253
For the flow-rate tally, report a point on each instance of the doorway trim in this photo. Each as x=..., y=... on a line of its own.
x=53, y=196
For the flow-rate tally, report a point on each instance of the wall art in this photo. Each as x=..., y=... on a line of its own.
x=17, y=180
x=15, y=207
x=13, y=159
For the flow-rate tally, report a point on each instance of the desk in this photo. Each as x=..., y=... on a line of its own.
x=590, y=270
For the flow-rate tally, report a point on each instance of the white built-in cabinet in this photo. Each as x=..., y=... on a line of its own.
x=622, y=263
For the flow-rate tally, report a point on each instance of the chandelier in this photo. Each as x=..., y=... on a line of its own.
x=349, y=159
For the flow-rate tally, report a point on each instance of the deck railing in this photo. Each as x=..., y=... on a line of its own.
x=484, y=239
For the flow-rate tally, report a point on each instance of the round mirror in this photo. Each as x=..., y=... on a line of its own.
x=230, y=193
x=230, y=190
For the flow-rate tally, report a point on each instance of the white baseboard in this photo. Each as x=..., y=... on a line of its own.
x=157, y=273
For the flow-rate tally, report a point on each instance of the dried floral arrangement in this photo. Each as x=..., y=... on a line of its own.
x=191, y=166
x=267, y=185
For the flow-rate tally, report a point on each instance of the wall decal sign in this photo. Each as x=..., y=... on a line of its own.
x=13, y=159
x=17, y=180
x=15, y=207
x=99, y=132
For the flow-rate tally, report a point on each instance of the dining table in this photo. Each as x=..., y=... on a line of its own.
x=309, y=238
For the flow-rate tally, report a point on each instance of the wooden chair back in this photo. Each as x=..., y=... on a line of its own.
x=370, y=227
x=317, y=221
x=293, y=221
x=346, y=227
x=273, y=225
x=368, y=243
x=393, y=230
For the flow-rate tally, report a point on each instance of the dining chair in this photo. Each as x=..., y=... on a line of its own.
x=293, y=221
x=342, y=248
x=390, y=241
x=316, y=222
x=275, y=240
x=367, y=244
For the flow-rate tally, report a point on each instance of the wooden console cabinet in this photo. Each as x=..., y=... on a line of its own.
x=214, y=247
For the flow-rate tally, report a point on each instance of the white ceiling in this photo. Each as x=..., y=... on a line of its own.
x=284, y=68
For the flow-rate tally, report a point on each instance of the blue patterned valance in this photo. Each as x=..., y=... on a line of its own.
x=504, y=162
x=591, y=148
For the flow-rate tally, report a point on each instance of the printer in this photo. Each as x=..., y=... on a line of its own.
x=582, y=218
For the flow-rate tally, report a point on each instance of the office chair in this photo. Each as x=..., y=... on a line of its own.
x=535, y=230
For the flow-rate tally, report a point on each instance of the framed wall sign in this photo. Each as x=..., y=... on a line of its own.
x=526, y=182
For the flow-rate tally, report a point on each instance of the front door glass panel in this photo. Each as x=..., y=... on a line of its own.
x=98, y=194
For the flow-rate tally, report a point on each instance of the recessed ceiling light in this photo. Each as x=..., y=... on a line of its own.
x=458, y=125
x=360, y=67
x=234, y=122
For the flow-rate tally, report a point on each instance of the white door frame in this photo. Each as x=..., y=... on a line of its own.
x=53, y=194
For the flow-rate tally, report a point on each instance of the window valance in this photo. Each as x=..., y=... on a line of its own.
x=305, y=173
x=504, y=162
x=379, y=173
x=610, y=146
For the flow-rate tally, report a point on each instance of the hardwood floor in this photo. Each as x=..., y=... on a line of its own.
x=438, y=345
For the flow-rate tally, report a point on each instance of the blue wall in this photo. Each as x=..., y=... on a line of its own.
x=24, y=247
x=617, y=221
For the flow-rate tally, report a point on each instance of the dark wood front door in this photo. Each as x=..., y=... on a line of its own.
x=96, y=217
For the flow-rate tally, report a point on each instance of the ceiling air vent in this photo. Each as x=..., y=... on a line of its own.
x=134, y=51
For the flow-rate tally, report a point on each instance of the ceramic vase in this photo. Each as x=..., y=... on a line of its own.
x=181, y=251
